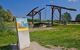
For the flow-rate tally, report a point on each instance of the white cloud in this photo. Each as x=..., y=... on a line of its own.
x=72, y=0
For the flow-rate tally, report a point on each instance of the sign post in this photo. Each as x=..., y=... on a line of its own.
x=23, y=33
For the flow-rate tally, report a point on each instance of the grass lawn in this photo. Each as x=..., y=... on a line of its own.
x=7, y=37
x=67, y=36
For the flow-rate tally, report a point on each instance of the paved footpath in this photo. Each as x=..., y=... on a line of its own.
x=36, y=46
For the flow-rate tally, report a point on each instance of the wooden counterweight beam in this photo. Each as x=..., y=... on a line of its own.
x=34, y=12
x=30, y=13
x=62, y=7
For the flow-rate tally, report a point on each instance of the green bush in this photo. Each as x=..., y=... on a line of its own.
x=7, y=35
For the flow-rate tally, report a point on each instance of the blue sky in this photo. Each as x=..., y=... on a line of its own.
x=22, y=7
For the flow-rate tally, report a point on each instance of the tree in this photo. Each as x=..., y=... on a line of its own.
x=78, y=17
x=9, y=16
x=66, y=17
x=2, y=12
x=5, y=14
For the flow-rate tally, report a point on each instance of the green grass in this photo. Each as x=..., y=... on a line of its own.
x=67, y=36
x=7, y=37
